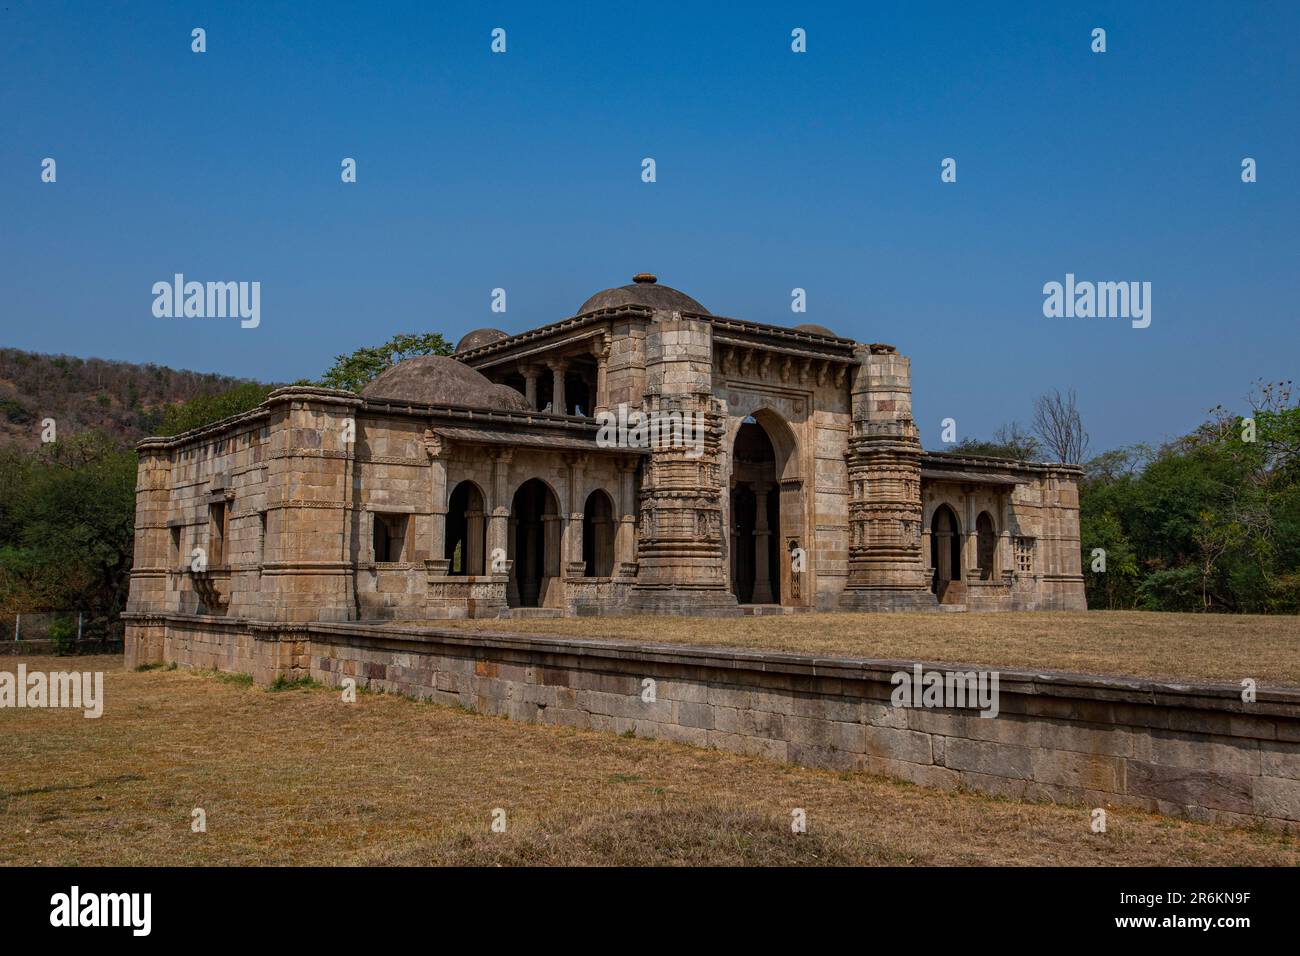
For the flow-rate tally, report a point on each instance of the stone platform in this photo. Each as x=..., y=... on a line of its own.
x=1194, y=750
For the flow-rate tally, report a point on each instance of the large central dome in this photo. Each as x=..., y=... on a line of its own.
x=645, y=291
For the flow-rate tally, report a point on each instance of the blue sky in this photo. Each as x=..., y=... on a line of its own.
x=775, y=170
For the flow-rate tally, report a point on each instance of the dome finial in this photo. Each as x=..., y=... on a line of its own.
x=645, y=277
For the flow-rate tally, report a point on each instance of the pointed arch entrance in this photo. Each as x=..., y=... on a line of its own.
x=768, y=564
x=945, y=553
x=533, y=544
x=466, y=530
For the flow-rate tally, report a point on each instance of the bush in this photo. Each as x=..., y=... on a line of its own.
x=63, y=632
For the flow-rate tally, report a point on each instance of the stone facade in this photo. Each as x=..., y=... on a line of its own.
x=480, y=485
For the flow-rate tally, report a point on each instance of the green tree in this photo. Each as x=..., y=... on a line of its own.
x=353, y=372
x=1009, y=441
x=1212, y=518
x=66, y=529
x=1116, y=585
x=206, y=409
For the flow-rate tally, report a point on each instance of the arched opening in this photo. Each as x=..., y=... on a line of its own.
x=579, y=388
x=945, y=548
x=466, y=530
x=534, y=544
x=598, y=535
x=986, y=544
x=756, y=529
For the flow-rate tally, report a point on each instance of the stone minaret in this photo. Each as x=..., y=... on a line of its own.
x=679, y=548
x=886, y=567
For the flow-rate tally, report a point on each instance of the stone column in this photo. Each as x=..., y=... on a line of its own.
x=762, y=546
x=925, y=544
x=886, y=568
x=576, y=567
x=1005, y=559
x=680, y=563
x=602, y=378
x=436, y=448
x=625, y=532
x=970, y=552
x=500, y=504
x=530, y=387
x=557, y=388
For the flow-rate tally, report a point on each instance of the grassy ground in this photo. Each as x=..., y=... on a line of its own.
x=1175, y=646
x=297, y=776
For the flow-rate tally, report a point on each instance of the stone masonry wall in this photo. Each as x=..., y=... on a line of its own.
x=1191, y=750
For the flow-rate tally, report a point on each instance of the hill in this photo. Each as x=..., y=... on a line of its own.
x=122, y=399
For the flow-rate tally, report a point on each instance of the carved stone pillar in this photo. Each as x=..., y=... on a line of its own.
x=574, y=565
x=970, y=551
x=680, y=566
x=886, y=567
x=500, y=505
x=557, y=388
x=625, y=532
x=1005, y=561
x=530, y=387
x=436, y=448
x=601, y=400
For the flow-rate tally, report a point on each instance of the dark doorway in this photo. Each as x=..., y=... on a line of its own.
x=598, y=535
x=756, y=551
x=945, y=548
x=464, y=549
x=986, y=544
x=534, y=536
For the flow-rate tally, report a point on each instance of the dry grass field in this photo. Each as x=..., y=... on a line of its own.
x=1174, y=646
x=298, y=777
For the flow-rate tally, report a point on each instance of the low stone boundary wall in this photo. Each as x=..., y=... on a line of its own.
x=43, y=647
x=1194, y=750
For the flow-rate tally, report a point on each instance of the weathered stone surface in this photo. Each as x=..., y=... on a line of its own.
x=1095, y=772
x=1188, y=787
x=985, y=757
x=1182, y=749
x=1280, y=759
x=1275, y=797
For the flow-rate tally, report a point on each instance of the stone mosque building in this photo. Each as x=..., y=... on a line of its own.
x=476, y=485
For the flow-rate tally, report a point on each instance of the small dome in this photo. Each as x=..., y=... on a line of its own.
x=442, y=380
x=472, y=340
x=816, y=329
x=644, y=290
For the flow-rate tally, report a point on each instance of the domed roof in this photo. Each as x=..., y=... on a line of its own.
x=645, y=291
x=816, y=329
x=442, y=380
x=472, y=340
